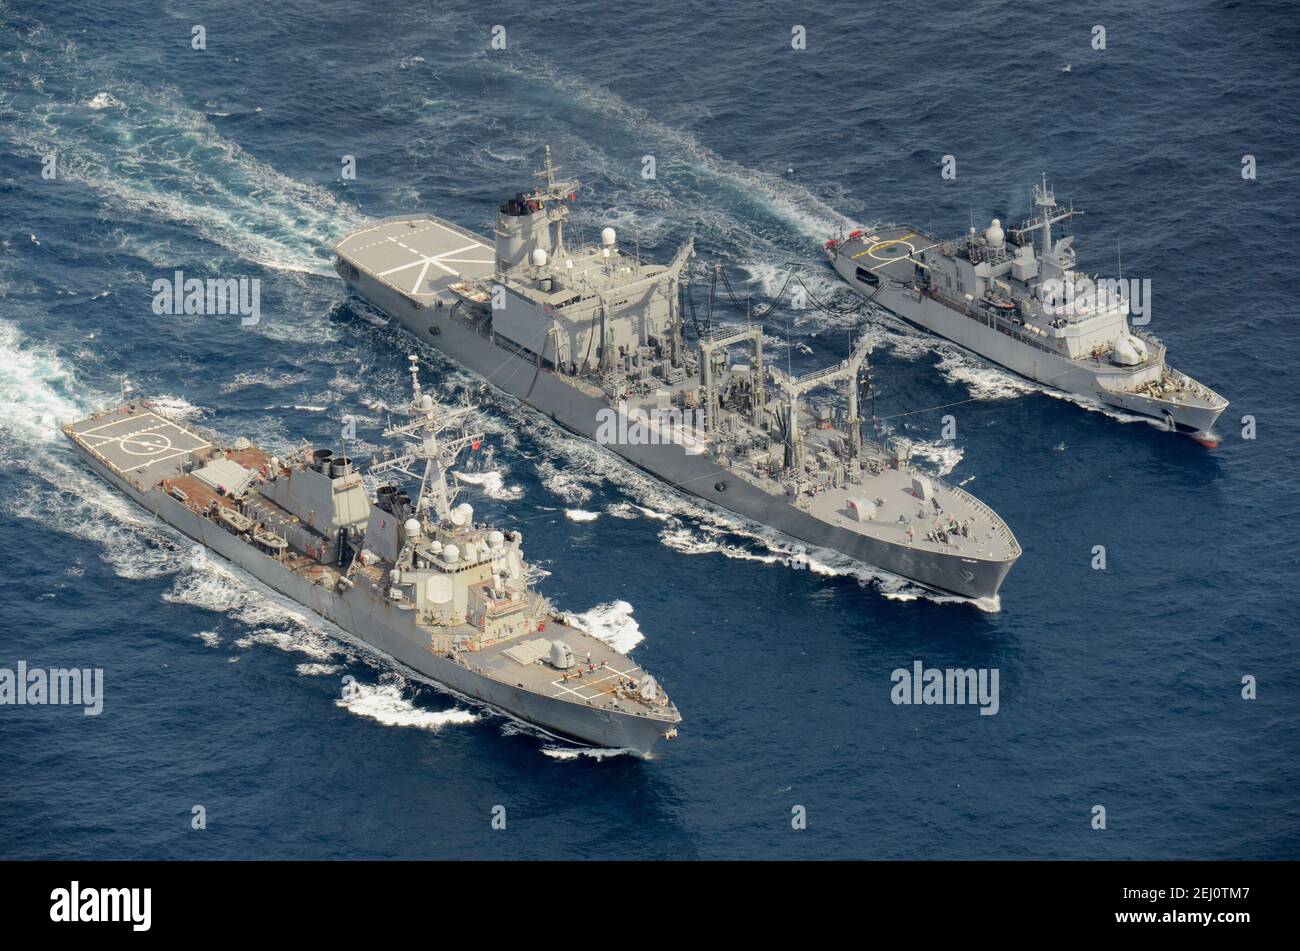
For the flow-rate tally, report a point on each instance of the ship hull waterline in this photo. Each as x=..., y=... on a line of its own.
x=575, y=411
x=350, y=612
x=1047, y=369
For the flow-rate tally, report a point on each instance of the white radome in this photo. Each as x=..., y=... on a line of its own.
x=994, y=234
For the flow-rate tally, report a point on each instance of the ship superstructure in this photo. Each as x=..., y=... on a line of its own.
x=1024, y=304
x=594, y=337
x=415, y=576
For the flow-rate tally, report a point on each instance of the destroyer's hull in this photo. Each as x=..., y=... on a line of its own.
x=381, y=625
x=1030, y=362
x=694, y=474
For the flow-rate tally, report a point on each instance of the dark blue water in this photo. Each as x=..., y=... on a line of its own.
x=1118, y=687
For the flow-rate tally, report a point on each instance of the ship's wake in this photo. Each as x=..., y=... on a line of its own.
x=570, y=754
x=388, y=702
x=58, y=493
x=612, y=623
x=150, y=156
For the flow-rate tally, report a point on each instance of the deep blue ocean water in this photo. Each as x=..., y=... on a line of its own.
x=1119, y=687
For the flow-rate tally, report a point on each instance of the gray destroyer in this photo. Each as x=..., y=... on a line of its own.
x=418, y=579
x=1028, y=310
x=594, y=338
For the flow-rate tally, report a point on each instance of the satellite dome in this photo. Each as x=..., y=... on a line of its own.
x=450, y=553
x=607, y=237
x=496, y=539
x=994, y=234
x=412, y=528
x=539, y=257
x=426, y=403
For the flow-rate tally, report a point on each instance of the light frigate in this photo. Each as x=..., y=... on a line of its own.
x=418, y=579
x=594, y=338
x=1030, y=311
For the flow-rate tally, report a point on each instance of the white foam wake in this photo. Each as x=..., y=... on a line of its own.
x=386, y=703
x=145, y=152
x=569, y=754
x=492, y=484
x=612, y=623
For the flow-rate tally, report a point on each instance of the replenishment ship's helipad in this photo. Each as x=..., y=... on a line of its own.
x=419, y=256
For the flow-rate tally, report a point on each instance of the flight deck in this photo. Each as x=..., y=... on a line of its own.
x=419, y=256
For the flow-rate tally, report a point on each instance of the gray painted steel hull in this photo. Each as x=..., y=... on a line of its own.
x=1049, y=369
x=694, y=474
x=380, y=624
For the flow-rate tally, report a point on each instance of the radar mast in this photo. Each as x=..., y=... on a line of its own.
x=423, y=443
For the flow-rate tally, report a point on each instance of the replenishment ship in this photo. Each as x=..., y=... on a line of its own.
x=594, y=338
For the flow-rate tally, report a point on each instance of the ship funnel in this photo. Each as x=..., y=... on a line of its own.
x=320, y=460
x=340, y=467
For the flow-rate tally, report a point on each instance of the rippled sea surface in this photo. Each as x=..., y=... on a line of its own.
x=1119, y=688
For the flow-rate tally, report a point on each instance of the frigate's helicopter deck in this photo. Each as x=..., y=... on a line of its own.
x=418, y=255
x=891, y=251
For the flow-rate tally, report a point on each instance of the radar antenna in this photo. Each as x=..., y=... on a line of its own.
x=423, y=443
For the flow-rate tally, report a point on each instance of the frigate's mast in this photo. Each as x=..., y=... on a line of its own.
x=1045, y=199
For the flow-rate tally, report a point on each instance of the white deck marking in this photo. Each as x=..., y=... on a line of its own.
x=424, y=261
x=400, y=267
x=588, y=682
x=420, y=280
x=103, y=439
x=139, y=440
x=151, y=462
x=138, y=417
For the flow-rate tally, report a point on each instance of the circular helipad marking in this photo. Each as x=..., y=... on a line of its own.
x=891, y=243
x=146, y=444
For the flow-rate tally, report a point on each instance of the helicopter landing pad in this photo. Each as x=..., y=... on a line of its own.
x=877, y=250
x=140, y=443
